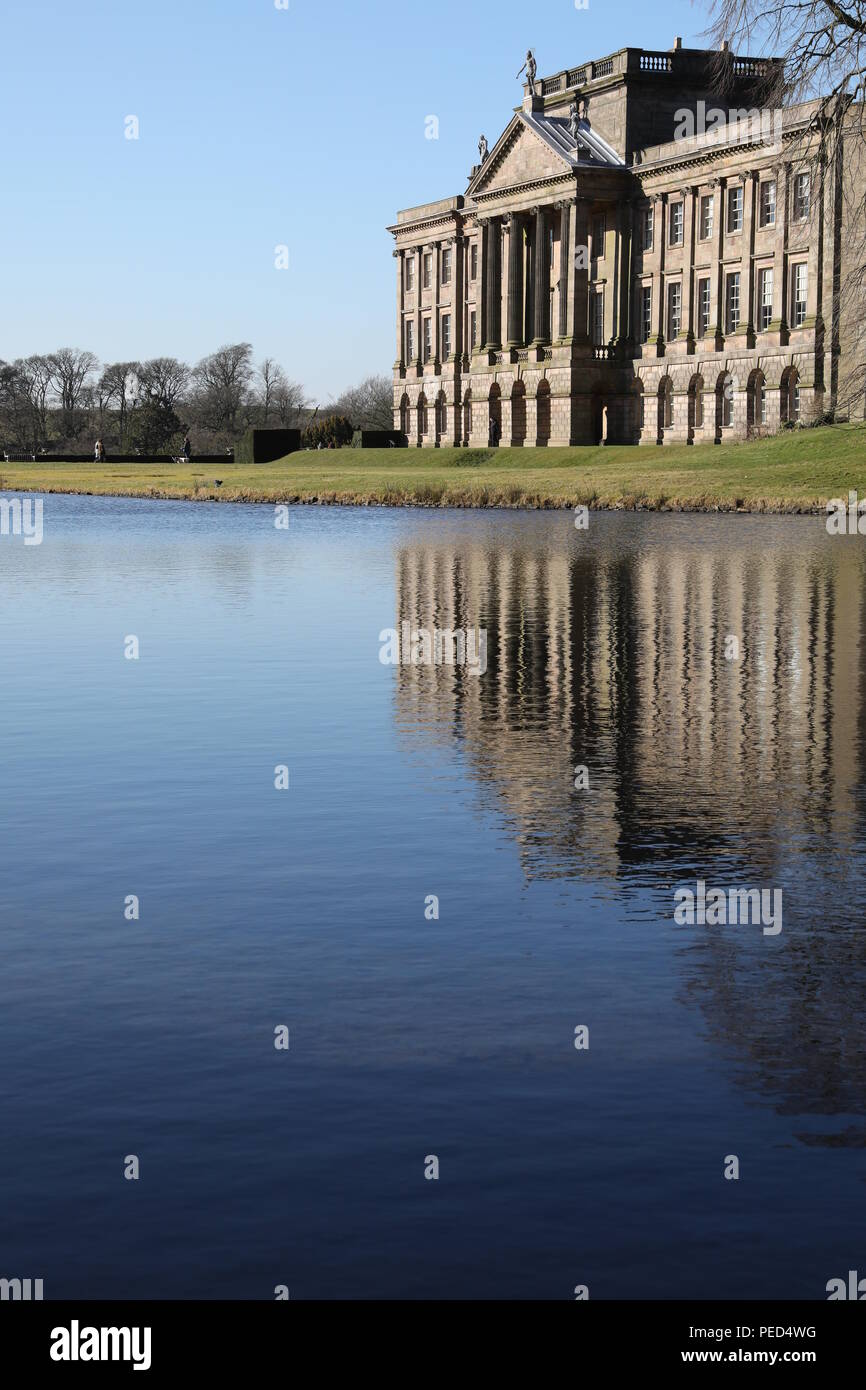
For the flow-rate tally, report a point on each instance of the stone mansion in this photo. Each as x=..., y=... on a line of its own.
x=645, y=255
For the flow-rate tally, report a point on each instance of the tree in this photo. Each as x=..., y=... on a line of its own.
x=34, y=378
x=223, y=382
x=154, y=425
x=165, y=379
x=370, y=406
x=336, y=430
x=290, y=402
x=119, y=384
x=71, y=369
x=270, y=378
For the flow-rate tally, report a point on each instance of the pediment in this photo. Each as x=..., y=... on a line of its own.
x=518, y=157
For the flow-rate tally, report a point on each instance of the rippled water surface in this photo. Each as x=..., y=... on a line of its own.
x=413, y=1037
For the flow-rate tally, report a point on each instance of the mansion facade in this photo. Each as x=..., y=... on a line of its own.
x=646, y=255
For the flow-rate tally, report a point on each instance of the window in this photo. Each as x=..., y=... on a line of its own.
x=802, y=195
x=768, y=203
x=598, y=317
x=765, y=299
x=646, y=312
x=762, y=404
x=708, y=204
x=800, y=289
x=735, y=208
x=473, y=261
x=732, y=302
x=473, y=329
x=446, y=266
x=703, y=307
x=599, y=226
x=428, y=269
x=446, y=335
x=410, y=341
x=428, y=339
x=676, y=235
x=410, y=272
x=727, y=410
x=648, y=218
x=675, y=301
x=795, y=402
x=699, y=404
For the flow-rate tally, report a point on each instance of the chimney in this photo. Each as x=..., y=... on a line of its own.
x=725, y=46
x=678, y=43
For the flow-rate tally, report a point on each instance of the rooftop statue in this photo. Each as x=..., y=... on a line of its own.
x=483, y=151
x=529, y=67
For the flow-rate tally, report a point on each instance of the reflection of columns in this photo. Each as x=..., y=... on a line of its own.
x=494, y=284
x=542, y=279
x=515, y=281
x=564, y=216
x=580, y=320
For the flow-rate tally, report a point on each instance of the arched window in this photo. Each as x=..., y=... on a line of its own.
x=666, y=405
x=726, y=401
x=789, y=401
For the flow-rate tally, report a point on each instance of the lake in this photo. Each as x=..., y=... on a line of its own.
x=417, y=1032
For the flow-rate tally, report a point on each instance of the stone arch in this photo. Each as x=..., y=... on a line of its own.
x=789, y=398
x=440, y=417
x=543, y=412
x=665, y=407
x=422, y=421
x=518, y=414
x=756, y=401
x=405, y=425
x=696, y=405
x=638, y=409
x=494, y=407
x=725, y=387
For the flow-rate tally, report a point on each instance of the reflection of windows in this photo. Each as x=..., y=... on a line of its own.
x=768, y=203
x=648, y=228
x=732, y=302
x=802, y=194
x=707, y=215
x=676, y=237
x=735, y=208
x=646, y=312
x=446, y=266
x=597, y=320
x=703, y=307
x=446, y=335
x=675, y=301
x=428, y=339
x=799, y=293
x=765, y=298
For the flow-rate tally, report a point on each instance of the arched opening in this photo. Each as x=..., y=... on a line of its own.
x=441, y=417
x=404, y=416
x=597, y=416
x=696, y=405
x=543, y=413
x=494, y=402
x=789, y=403
x=422, y=418
x=638, y=410
x=756, y=402
x=518, y=414
x=467, y=417
x=665, y=407
x=724, y=403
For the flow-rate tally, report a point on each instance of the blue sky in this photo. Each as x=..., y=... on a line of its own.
x=258, y=127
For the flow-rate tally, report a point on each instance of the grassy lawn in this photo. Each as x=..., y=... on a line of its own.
x=796, y=470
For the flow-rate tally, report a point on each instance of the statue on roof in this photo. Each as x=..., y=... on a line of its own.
x=530, y=68
x=573, y=121
x=483, y=150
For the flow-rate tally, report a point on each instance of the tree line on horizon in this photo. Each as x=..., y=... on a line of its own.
x=64, y=401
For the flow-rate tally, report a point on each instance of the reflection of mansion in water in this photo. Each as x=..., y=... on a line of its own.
x=602, y=278
x=616, y=661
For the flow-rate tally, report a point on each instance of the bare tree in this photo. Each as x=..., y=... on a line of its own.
x=164, y=379
x=290, y=403
x=70, y=371
x=35, y=378
x=369, y=405
x=270, y=378
x=119, y=385
x=223, y=380
x=822, y=48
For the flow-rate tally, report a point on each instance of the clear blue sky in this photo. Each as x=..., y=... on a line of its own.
x=258, y=126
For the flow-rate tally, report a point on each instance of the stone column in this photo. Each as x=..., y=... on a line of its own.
x=481, y=284
x=660, y=230
x=747, y=296
x=515, y=281
x=717, y=277
x=564, y=258
x=494, y=284
x=622, y=300
x=437, y=318
x=400, y=362
x=580, y=301
x=687, y=326
x=542, y=280
x=419, y=281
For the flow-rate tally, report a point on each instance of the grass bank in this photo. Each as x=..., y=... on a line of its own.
x=799, y=470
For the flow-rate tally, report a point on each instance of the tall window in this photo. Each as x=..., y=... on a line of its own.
x=598, y=317
x=646, y=312
x=708, y=203
x=676, y=234
x=675, y=302
x=410, y=272
x=703, y=307
x=648, y=218
x=473, y=261
x=762, y=403
x=599, y=226
x=802, y=197
x=732, y=302
x=800, y=277
x=428, y=269
x=727, y=410
x=765, y=298
x=446, y=266
x=735, y=208
x=473, y=329
x=428, y=339
x=699, y=404
x=410, y=341
x=795, y=402
x=446, y=335
x=768, y=203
